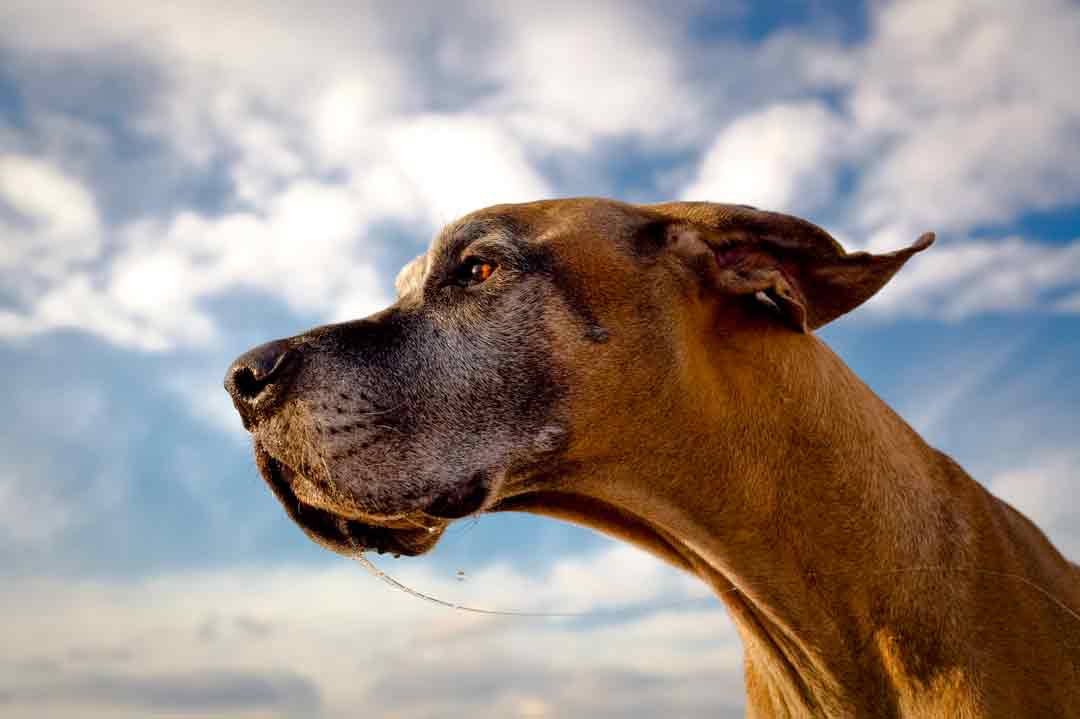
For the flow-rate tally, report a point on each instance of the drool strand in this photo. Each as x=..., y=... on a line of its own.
x=383, y=576
x=380, y=574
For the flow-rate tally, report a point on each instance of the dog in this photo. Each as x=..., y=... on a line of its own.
x=651, y=371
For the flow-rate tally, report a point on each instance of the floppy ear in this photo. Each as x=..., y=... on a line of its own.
x=784, y=261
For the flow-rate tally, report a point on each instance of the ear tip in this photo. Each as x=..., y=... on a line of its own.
x=925, y=240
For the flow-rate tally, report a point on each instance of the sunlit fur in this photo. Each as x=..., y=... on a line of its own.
x=689, y=409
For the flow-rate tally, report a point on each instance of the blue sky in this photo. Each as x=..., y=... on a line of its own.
x=177, y=185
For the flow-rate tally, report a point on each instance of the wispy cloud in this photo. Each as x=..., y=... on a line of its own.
x=963, y=279
x=783, y=158
x=1037, y=491
x=970, y=132
x=348, y=130
x=194, y=691
x=51, y=220
x=932, y=141
x=177, y=183
x=340, y=641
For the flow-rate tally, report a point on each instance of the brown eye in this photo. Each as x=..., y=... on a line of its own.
x=474, y=272
x=481, y=271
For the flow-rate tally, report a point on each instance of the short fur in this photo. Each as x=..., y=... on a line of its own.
x=650, y=371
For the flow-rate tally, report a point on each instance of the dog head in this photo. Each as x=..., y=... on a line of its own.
x=517, y=346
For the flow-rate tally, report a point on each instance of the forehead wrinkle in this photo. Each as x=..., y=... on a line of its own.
x=455, y=238
x=451, y=241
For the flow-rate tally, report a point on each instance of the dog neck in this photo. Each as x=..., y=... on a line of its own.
x=827, y=514
x=824, y=522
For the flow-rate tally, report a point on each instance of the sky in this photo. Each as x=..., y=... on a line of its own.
x=182, y=181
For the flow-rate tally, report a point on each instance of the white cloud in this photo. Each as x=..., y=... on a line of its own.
x=936, y=140
x=308, y=243
x=366, y=650
x=783, y=157
x=78, y=302
x=307, y=249
x=348, y=115
x=615, y=69
x=1038, y=491
x=328, y=120
x=48, y=219
x=969, y=131
x=456, y=164
x=333, y=100
x=962, y=279
x=948, y=129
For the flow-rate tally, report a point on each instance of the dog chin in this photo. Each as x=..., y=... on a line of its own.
x=344, y=534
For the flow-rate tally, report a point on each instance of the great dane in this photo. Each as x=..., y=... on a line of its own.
x=651, y=371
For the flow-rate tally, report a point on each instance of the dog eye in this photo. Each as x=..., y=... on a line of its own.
x=474, y=271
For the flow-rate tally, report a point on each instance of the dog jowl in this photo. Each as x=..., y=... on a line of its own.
x=376, y=433
x=511, y=360
x=653, y=372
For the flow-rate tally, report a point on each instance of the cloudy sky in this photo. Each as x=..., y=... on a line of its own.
x=179, y=182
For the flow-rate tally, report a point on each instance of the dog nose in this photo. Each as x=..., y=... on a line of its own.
x=256, y=379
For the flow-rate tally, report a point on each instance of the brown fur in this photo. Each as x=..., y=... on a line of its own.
x=692, y=413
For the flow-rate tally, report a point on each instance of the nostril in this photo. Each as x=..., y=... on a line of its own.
x=246, y=385
x=253, y=372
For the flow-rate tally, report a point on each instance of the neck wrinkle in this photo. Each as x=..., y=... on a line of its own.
x=742, y=494
x=769, y=470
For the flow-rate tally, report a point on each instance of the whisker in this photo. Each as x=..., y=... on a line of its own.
x=380, y=574
x=414, y=522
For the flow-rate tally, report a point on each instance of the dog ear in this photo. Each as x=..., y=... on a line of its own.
x=411, y=276
x=788, y=263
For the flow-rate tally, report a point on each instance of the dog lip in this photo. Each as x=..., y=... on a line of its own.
x=308, y=494
x=339, y=533
x=462, y=498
